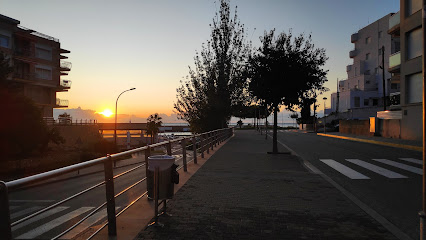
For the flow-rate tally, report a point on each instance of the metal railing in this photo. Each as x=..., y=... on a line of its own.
x=61, y=102
x=199, y=143
x=395, y=59
x=65, y=83
x=65, y=65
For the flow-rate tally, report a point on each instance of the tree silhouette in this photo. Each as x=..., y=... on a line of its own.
x=284, y=70
x=217, y=82
x=153, y=124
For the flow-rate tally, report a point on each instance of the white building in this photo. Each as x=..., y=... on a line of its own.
x=361, y=94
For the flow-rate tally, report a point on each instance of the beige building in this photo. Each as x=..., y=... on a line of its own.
x=406, y=66
x=37, y=63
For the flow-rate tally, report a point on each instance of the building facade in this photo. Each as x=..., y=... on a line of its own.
x=37, y=63
x=363, y=88
x=406, y=66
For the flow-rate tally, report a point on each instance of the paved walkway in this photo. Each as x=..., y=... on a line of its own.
x=243, y=193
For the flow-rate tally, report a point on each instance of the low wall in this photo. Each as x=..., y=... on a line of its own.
x=77, y=136
x=390, y=128
x=356, y=127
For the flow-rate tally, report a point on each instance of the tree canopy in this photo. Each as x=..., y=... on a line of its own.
x=218, y=81
x=285, y=70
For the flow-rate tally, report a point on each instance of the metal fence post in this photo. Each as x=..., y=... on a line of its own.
x=208, y=143
x=202, y=142
x=169, y=148
x=194, y=147
x=184, y=154
x=109, y=190
x=5, y=228
x=147, y=154
x=211, y=140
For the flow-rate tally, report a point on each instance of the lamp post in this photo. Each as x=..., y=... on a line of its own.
x=325, y=117
x=115, y=123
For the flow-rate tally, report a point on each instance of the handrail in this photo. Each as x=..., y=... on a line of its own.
x=207, y=141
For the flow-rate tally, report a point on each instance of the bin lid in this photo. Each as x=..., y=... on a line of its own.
x=161, y=161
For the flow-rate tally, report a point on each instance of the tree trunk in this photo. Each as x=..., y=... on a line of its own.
x=274, y=137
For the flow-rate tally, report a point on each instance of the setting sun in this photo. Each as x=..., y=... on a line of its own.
x=107, y=113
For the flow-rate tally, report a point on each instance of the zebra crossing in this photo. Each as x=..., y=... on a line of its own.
x=347, y=168
x=59, y=217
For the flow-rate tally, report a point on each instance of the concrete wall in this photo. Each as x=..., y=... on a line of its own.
x=390, y=128
x=356, y=127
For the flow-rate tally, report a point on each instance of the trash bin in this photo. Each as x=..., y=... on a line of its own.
x=165, y=164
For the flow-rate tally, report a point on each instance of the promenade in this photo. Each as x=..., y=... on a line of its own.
x=242, y=192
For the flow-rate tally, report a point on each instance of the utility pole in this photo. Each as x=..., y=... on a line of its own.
x=337, y=102
x=422, y=213
x=383, y=76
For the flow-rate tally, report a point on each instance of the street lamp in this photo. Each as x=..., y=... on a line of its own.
x=115, y=124
x=325, y=117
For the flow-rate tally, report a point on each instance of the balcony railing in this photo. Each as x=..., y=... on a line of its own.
x=394, y=20
x=348, y=68
x=353, y=53
x=395, y=99
x=354, y=37
x=65, y=65
x=23, y=52
x=66, y=83
x=395, y=60
x=61, y=102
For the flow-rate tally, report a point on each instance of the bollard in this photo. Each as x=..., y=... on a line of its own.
x=169, y=148
x=194, y=148
x=5, y=228
x=109, y=190
x=184, y=154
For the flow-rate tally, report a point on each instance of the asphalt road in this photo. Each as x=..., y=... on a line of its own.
x=29, y=200
x=393, y=191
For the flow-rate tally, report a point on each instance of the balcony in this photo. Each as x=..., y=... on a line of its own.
x=348, y=68
x=394, y=62
x=394, y=21
x=65, y=66
x=23, y=52
x=354, y=37
x=353, y=53
x=60, y=103
x=24, y=76
x=65, y=83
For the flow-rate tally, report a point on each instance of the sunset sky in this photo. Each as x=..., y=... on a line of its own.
x=148, y=45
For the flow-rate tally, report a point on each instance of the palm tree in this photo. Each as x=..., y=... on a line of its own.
x=153, y=123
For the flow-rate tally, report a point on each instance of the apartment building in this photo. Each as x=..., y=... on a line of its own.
x=406, y=66
x=37, y=63
x=361, y=94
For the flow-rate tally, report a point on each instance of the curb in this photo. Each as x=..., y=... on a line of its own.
x=396, y=145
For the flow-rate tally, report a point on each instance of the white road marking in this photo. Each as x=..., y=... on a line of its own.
x=412, y=160
x=25, y=211
x=348, y=172
x=400, y=165
x=86, y=224
x=376, y=169
x=39, y=217
x=54, y=223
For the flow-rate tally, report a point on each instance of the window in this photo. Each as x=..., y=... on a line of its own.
x=380, y=34
x=414, y=87
x=4, y=41
x=412, y=6
x=367, y=82
x=367, y=40
x=366, y=102
x=357, y=101
x=376, y=71
x=367, y=72
x=414, y=43
x=375, y=102
x=43, y=53
x=394, y=86
x=43, y=73
x=367, y=56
